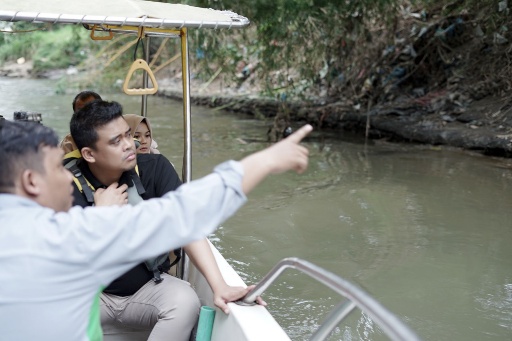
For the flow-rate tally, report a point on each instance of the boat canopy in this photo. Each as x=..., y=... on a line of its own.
x=137, y=13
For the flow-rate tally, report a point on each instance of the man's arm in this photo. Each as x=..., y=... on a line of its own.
x=202, y=257
x=113, y=235
x=283, y=156
x=165, y=179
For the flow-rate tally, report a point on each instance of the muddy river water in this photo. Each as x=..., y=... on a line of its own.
x=426, y=230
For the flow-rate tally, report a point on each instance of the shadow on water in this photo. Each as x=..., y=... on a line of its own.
x=425, y=230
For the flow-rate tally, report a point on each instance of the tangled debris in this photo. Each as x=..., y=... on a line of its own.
x=446, y=79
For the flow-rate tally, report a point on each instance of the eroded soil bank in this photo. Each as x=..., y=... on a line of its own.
x=485, y=125
x=437, y=118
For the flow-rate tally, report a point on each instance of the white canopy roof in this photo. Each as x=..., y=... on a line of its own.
x=118, y=12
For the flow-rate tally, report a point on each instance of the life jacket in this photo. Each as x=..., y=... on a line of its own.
x=155, y=265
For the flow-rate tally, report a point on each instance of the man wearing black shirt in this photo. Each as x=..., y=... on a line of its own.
x=169, y=308
x=158, y=177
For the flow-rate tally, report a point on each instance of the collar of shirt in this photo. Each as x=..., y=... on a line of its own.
x=8, y=200
x=84, y=168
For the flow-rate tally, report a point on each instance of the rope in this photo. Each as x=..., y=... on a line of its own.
x=139, y=40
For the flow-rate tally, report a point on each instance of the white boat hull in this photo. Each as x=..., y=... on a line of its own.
x=244, y=323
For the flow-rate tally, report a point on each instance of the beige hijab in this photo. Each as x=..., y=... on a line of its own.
x=134, y=121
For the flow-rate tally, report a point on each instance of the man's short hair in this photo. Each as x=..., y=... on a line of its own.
x=20, y=146
x=84, y=96
x=87, y=120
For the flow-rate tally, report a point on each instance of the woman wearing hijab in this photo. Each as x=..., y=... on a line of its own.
x=141, y=131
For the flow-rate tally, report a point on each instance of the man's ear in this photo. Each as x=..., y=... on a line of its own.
x=30, y=181
x=88, y=154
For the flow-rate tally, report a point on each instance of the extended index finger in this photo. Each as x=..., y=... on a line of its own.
x=300, y=134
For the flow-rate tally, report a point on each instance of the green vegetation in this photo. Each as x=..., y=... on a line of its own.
x=307, y=41
x=60, y=49
x=334, y=47
x=327, y=48
x=48, y=47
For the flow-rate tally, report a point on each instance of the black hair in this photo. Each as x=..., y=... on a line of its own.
x=94, y=115
x=84, y=95
x=20, y=146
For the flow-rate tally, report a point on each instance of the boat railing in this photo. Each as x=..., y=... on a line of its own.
x=393, y=327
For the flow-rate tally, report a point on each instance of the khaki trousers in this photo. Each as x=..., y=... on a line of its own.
x=165, y=311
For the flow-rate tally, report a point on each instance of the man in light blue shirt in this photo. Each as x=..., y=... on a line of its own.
x=56, y=260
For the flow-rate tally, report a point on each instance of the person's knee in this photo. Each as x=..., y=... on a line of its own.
x=192, y=300
x=185, y=304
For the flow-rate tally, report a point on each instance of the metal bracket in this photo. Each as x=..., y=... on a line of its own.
x=93, y=37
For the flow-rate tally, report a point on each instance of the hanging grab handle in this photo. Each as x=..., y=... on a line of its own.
x=137, y=65
x=93, y=37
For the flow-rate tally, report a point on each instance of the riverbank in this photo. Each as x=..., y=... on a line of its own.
x=484, y=125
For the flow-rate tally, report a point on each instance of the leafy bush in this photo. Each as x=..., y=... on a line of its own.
x=299, y=47
x=48, y=47
x=334, y=47
x=300, y=44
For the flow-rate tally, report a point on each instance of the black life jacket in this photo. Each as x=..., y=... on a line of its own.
x=155, y=265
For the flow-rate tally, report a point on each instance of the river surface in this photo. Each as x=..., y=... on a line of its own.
x=427, y=231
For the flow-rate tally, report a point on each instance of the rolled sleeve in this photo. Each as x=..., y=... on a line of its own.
x=232, y=174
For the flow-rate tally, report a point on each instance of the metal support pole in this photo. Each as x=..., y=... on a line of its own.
x=187, y=155
x=187, y=143
x=145, y=80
